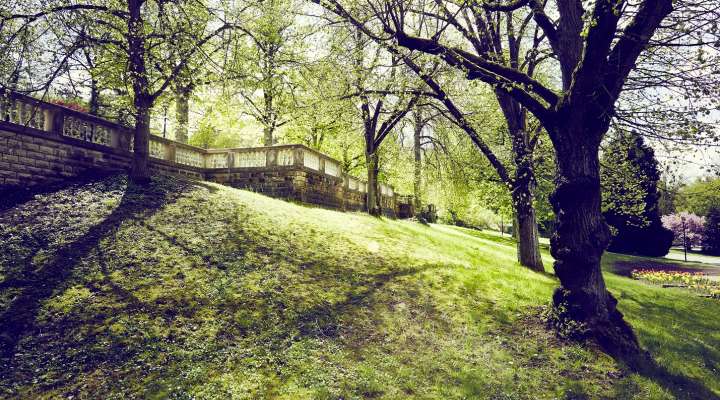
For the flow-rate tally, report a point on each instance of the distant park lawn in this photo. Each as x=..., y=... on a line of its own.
x=694, y=256
x=195, y=290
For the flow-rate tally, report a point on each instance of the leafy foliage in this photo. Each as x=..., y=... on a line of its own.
x=700, y=196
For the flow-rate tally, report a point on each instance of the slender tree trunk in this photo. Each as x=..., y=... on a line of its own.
x=525, y=230
x=269, y=117
x=373, y=195
x=182, y=112
x=417, y=181
x=580, y=239
x=525, y=223
x=523, y=184
x=94, y=97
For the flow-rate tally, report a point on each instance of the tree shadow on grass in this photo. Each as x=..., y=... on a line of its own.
x=682, y=387
x=10, y=196
x=37, y=283
x=322, y=320
x=656, y=313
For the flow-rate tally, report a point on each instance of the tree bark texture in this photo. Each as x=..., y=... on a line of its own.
x=522, y=185
x=373, y=194
x=94, y=97
x=581, y=236
x=417, y=170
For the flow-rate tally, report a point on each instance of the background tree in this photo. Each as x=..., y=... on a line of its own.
x=687, y=228
x=140, y=34
x=596, y=46
x=383, y=98
x=266, y=64
x=700, y=196
x=711, y=233
x=629, y=177
x=324, y=118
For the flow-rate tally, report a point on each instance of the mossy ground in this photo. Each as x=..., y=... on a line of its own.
x=196, y=290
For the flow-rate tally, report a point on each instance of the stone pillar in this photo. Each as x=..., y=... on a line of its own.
x=270, y=157
x=230, y=159
x=170, y=152
x=298, y=156
x=58, y=122
x=48, y=120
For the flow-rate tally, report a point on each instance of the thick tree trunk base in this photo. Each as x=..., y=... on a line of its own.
x=582, y=315
x=583, y=302
x=140, y=171
x=139, y=178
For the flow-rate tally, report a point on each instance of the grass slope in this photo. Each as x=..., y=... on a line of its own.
x=195, y=290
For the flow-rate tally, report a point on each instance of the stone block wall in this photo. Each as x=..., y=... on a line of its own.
x=280, y=182
x=29, y=158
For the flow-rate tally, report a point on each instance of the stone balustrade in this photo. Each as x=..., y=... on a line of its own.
x=43, y=142
x=40, y=116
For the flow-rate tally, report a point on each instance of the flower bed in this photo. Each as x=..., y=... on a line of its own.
x=696, y=281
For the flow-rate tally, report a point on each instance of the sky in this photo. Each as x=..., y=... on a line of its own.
x=692, y=163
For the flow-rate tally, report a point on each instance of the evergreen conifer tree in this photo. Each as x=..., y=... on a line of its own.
x=629, y=179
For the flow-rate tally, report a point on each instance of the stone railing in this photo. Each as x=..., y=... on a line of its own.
x=290, y=156
x=74, y=129
x=52, y=119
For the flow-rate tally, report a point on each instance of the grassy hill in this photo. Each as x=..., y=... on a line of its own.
x=195, y=290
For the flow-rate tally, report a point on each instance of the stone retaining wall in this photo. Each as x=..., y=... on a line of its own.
x=42, y=143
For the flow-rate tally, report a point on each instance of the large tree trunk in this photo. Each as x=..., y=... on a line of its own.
x=267, y=136
x=523, y=192
x=140, y=171
x=579, y=241
x=373, y=196
x=182, y=112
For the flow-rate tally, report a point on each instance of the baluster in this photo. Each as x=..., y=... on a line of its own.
x=40, y=115
x=86, y=131
x=30, y=117
x=66, y=125
x=20, y=112
x=91, y=131
x=75, y=129
x=26, y=117
x=23, y=113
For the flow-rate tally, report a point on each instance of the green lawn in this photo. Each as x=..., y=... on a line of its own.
x=196, y=290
